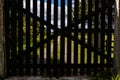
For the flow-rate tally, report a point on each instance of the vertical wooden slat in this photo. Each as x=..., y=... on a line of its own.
x=62, y=40
x=35, y=37
x=48, y=30
x=13, y=36
x=20, y=36
x=89, y=35
x=48, y=36
x=82, y=35
x=7, y=33
x=55, y=46
x=96, y=24
x=109, y=35
x=42, y=34
x=69, y=19
x=76, y=36
x=28, y=37
x=102, y=35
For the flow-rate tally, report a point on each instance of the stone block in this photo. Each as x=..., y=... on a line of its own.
x=2, y=57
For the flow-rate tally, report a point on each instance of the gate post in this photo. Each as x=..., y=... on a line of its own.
x=2, y=41
x=117, y=36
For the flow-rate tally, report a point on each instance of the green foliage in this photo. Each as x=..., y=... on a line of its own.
x=107, y=75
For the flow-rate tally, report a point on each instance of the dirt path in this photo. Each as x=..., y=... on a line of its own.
x=40, y=78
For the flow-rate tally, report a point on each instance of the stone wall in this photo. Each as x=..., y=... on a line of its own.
x=117, y=36
x=2, y=58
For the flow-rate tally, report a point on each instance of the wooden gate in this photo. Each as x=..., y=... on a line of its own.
x=59, y=37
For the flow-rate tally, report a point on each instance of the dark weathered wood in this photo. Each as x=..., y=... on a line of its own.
x=42, y=34
x=109, y=35
x=7, y=31
x=102, y=34
x=76, y=12
x=91, y=40
x=27, y=57
x=48, y=31
x=48, y=36
x=82, y=36
x=55, y=32
x=55, y=46
x=34, y=37
x=62, y=41
x=96, y=24
x=20, y=37
x=89, y=35
x=68, y=40
x=62, y=38
x=13, y=37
